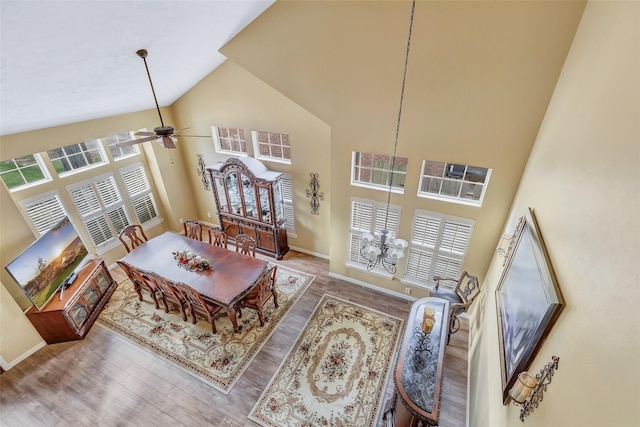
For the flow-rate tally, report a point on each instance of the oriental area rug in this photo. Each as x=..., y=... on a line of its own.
x=336, y=372
x=217, y=359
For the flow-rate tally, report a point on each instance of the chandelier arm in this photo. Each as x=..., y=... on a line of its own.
x=395, y=145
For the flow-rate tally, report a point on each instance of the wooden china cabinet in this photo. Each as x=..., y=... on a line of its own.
x=70, y=316
x=249, y=201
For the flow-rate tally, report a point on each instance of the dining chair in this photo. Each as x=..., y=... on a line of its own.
x=246, y=244
x=195, y=303
x=464, y=291
x=217, y=237
x=135, y=234
x=169, y=292
x=140, y=281
x=260, y=294
x=193, y=229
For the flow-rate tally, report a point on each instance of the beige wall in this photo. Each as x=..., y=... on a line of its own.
x=232, y=97
x=479, y=79
x=583, y=182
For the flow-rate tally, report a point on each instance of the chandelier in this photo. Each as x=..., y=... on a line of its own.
x=383, y=248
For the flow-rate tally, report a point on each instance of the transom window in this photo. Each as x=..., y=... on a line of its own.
x=372, y=170
x=23, y=171
x=77, y=156
x=437, y=247
x=229, y=140
x=272, y=146
x=453, y=182
x=121, y=152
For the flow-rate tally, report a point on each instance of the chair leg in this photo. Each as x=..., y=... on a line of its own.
x=166, y=306
x=136, y=287
x=154, y=297
x=213, y=325
x=261, y=316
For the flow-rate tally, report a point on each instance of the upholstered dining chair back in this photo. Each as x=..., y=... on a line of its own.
x=140, y=281
x=261, y=293
x=135, y=236
x=217, y=237
x=168, y=292
x=195, y=303
x=192, y=229
x=464, y=291
x=246, y=244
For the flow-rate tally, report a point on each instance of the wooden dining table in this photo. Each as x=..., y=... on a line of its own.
x=231, y=276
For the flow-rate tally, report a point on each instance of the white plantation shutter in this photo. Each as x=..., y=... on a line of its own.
x=369, y=216
x=287, y=196
x=437, y=247
x=139, y=191
x=44, y=211
x=101, y=208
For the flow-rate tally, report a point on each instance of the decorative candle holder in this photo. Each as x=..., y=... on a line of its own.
x=528, y=391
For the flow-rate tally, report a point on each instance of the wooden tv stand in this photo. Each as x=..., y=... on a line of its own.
x=71, y=317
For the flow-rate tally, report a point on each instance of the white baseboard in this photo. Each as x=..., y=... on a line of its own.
x=304, y=251
x=8, y=365
x=373, y=287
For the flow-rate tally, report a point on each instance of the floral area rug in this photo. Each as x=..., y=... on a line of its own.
x=217, y=359
x=336, y=372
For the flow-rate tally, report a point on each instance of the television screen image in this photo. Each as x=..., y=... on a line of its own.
x=43, y=267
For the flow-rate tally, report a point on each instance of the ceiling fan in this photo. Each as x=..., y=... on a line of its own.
x=164, y=135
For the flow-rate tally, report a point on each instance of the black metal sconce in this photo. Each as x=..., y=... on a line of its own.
x=314, y=194
x=202, y=172
x=527, y=392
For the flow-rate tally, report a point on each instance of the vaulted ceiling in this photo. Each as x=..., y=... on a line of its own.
x=69, y=61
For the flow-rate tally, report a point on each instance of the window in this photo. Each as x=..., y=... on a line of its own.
x=23, y=171
x=453, y=182
x=437, y=247
x=139, y=191
x=43, y=211
x=271, y=146
x=229, y=140
x=369, y=216
x=121, y=152
x=287, y=195
x=76, y=156
x=372, y=170
x=101, y=208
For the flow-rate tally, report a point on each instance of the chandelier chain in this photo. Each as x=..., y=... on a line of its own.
x=395, y=146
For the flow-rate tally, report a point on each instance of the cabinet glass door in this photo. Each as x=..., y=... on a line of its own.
x=78, y=313
x=264, y=204
x=91, y=296
x=222, y=195
x=279, y=201
x=234, y=194
x=249, y=193
x=102, y=282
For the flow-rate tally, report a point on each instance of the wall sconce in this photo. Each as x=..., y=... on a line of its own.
x=528, y=391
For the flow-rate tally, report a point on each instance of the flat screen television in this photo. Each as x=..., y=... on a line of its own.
x=45, y=265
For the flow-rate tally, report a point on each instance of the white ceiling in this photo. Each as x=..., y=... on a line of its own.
x=68, y=61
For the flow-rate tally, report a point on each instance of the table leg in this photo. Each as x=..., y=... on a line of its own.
x=231, y=312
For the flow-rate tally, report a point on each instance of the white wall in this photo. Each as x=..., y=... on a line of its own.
x=583, y=181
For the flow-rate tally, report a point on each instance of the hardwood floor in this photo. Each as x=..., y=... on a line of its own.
x=106, y=380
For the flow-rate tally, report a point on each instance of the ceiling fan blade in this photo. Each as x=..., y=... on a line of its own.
x=145, y=133
x=193, y=136
x=168, y=142
x=136, y=141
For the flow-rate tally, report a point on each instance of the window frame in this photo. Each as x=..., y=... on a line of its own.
x=145, y=192
x=355, y=165
x=49, y=198
x=255, y=137
x=453, y=199
x=130, y=135
x=440, y=243
x=103, y=211
x=358, y=224
x=241, y=139
x=100, y=150
x=43, y=169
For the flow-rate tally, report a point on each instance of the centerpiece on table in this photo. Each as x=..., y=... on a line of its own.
x=191, y=261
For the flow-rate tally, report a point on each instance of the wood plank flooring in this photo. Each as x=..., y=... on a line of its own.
x=105, y=380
